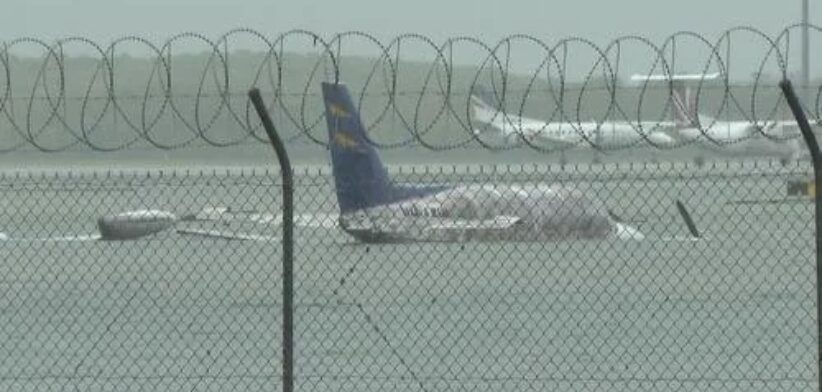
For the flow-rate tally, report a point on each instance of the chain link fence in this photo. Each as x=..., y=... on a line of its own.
x=186, y=308
x=732, y=310
x=197, y=305
x=477, y=276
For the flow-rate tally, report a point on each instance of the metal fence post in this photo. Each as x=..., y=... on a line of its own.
x=288, y=240
x=816, y=158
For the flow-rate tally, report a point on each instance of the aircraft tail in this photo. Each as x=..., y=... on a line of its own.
x=485, y=97
x=360, y=178
x=488, y=110
x=685, y=110
x=485, y=106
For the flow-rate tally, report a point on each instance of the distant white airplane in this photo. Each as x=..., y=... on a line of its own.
x=726, y=138
x=609, y=134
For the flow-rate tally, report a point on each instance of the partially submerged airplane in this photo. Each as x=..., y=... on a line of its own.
x=605, y=135
x=375, y=209
x=726, y=138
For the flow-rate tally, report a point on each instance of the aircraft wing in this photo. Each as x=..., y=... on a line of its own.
x=226, y=214
x=226, y=235
x=68, y=238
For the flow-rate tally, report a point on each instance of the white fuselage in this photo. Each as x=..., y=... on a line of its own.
x=511, y=213
x=744, y=138
x=590, y=133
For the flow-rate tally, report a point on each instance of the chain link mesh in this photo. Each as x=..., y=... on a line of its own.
x=732, y=310
x=167, y=312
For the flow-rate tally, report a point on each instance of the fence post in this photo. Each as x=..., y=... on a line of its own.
x=288, y=240
x=816, y=158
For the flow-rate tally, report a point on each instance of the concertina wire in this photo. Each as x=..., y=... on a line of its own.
x=44, y=93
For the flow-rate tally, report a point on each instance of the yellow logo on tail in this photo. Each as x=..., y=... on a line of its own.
x=345, y=140
x=337, y=111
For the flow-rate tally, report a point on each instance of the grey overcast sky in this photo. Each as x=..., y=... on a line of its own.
x=595, y=19
x=489, y=20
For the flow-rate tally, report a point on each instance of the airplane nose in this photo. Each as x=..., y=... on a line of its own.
x=660, y=139
x=691, y=134
x=625, y=232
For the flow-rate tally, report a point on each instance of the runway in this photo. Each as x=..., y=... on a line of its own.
x=175, y=312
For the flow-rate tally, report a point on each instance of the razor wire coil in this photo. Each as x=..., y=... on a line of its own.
x=37, y=106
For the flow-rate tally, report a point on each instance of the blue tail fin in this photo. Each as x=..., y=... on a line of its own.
x=359, y=176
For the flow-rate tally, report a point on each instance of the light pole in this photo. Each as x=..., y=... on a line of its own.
x=805, y=48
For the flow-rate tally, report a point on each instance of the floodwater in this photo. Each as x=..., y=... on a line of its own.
x=734, y=310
